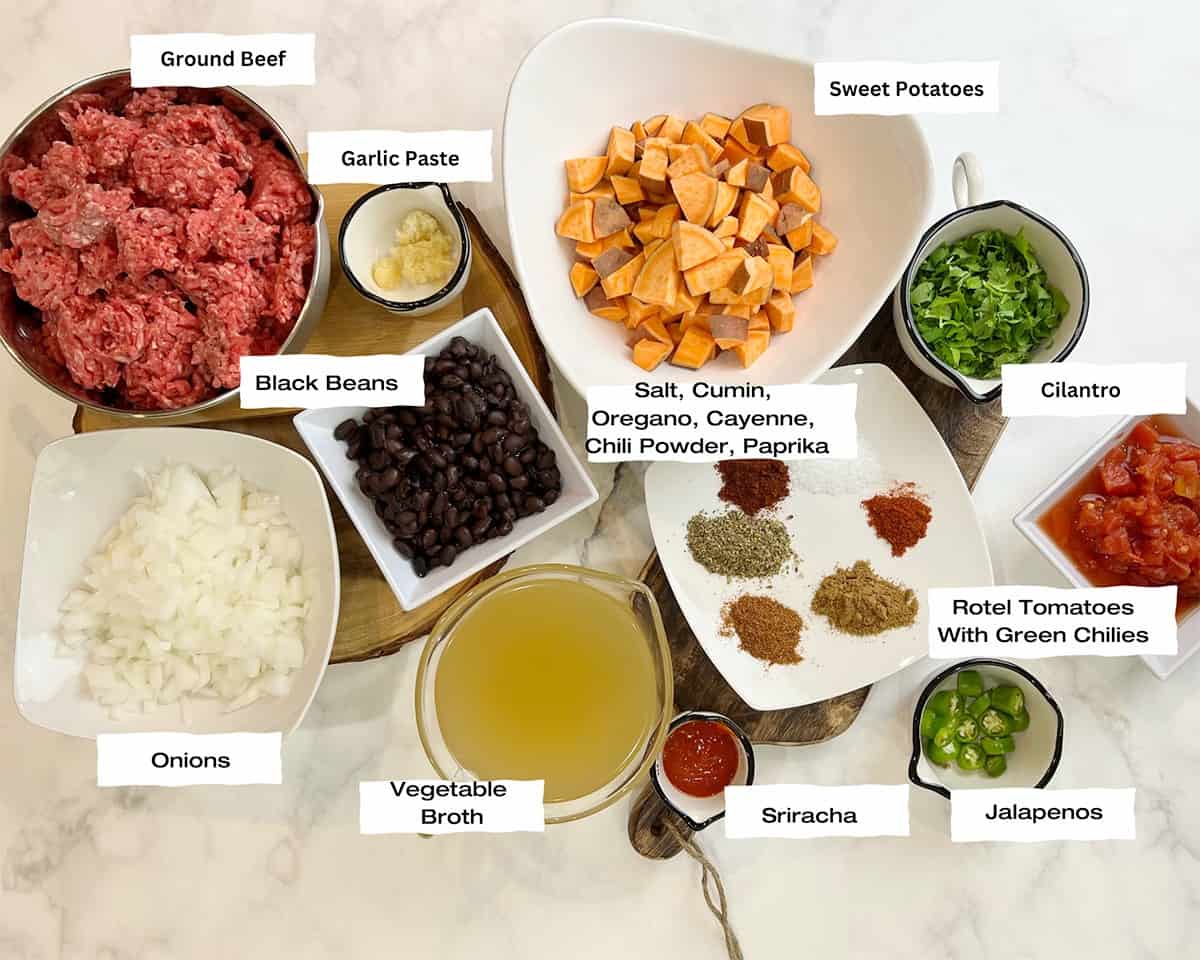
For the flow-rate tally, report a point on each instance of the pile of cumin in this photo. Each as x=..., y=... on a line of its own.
x=857, y=601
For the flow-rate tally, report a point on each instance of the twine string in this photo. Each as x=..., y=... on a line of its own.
x=718, y=907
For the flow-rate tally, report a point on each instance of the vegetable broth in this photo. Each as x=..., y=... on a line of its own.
x=551, y=680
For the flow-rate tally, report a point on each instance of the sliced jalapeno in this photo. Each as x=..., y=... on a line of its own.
x=978, y=707
x=970, y=756
x=944, y=734
x=970, y=683
x=994, y=723
x=941, y=756
x=967, y=730
x=995, y=746
x=1020, y=721
x=995, y=766
x=930, y=721
x=946, y=703
x=1009, y=699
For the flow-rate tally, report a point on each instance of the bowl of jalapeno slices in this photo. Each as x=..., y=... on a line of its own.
x=984, y=723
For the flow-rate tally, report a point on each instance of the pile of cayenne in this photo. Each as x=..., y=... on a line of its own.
x=459, y=470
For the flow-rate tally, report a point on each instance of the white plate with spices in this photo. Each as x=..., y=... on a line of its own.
x=828, y=527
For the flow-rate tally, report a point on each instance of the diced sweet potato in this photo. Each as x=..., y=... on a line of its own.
x=583, y=173
x=601, y=306
x=608, y=217
x=697, y=194
x=726, y=296
x=602, y=189
x=644, y=231
x=658, y=281
x=793, y=185
x=664, y=218
x=781, y=311
x=757, y=177
x=752, y=273
x=726, y=200
x=756, y=212
x=781, y=259
x=791, y=216
x=720, y=168
x=648, y=353
x=738, y=134
x=576, y=222
x=693, y=133
x=620, y=151
x=638, y=129
x=675, y=332
x=737, y=173
x=823, y=240
x=695, y=349
x=654, y=328
x=693, y=244
x=583, y=278
x=785, y=155
x=672, y=128
x=654, y=124
x=727, y=227
x=802, y=274
x=638, y=312
x=652, y=172
x=619, y=282
x=683, y=303
x=692, y=159
x=735, y=152
x=715, y=125
x=627, y=190
x=753, y=348
x=728, y=331
x=696, y=319
x=610, y=260
x=714, y=273
x=766, y=125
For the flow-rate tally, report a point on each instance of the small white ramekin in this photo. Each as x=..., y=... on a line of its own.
x=368, y=232
x=1058, y=258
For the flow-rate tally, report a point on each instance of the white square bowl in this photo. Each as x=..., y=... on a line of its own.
x=81, y=486
x=578, y=493
x=874, y=172
x=1027, y=522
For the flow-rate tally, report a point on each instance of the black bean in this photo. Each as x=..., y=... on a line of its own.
x=497, y=418
x=535, y=504
x=496, y=482
x=519, y=483
x=512, y=466
x=549, y=496
x=448, y=554
x=352, y=450
x=463, y=536
x=403, y=548
x=429, y=537
x=420, y=566
x=345, y=430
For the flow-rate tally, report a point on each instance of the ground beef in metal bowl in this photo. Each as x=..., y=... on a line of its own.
x=168, y=239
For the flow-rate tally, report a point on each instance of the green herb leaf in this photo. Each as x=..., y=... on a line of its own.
x=984, y=301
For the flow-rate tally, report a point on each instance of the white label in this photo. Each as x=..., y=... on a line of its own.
x=1028, y=623
x=802, y=811
x=1092, y=389
x=184, y=759
x=695, y=423
x=393, y=156
x=312, y=380
x=443, y=806
x=890, y=87
x=1027, y=815
x=219, y=59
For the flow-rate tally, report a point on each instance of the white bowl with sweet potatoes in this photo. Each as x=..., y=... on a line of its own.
x=677, y=212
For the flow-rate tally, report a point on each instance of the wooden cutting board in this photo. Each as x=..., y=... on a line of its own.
x=970, y=431
x=371, y=623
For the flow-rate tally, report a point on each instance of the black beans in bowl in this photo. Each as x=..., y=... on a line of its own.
x=458, y=471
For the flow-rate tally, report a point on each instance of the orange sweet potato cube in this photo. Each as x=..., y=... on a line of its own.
x=823, y=240
x=649, y=353
x=576, y=222
x=693, y=244
x=785, y=155
x=695, y=349
x=793, y=185
x=802, y=274
x=781, y=311
x=583, y=278
x=753, y=348
x=583, y=173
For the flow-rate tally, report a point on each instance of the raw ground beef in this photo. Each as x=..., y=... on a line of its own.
x=168, y=239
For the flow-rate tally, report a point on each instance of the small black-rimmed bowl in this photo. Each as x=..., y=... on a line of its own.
x=368, y=234
x=1058, y=257
x=1039, y=748
x=701, y=812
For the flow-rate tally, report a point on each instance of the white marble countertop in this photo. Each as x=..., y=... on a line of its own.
x=1092, y=133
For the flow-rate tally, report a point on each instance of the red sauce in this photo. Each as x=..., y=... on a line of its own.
x=1135, y=517
x=700, y=757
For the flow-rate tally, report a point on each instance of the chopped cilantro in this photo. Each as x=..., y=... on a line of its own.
x=984, y=301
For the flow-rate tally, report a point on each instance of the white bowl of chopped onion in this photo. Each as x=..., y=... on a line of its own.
x=174, y=579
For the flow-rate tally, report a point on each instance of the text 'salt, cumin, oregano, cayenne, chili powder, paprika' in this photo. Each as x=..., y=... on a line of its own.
x=900, y=516
x=734, y=544
x=856, y=600
x=765, y=628
x=753, y=485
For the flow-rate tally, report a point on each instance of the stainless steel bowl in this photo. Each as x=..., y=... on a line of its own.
x=19, y=321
